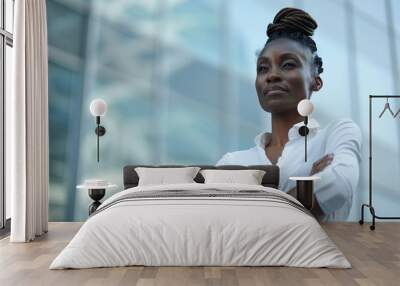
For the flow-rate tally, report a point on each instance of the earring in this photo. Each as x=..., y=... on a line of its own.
x=314, y=86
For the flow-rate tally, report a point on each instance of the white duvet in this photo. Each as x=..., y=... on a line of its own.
x=200, y=231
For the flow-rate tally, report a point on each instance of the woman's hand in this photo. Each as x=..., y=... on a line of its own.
x=321, y=164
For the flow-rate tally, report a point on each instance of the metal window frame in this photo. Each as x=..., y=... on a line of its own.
x=6, y=38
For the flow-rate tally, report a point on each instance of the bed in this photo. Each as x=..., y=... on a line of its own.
x=199, y=224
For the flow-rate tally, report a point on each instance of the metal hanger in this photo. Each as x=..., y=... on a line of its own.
x=387, y=106
x=398, y=111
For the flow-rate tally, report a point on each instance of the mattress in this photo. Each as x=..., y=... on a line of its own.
x=201, y=225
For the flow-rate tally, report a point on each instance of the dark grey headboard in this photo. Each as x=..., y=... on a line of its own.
x=271, y=177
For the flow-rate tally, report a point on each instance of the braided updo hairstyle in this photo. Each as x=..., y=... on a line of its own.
x=297, y=25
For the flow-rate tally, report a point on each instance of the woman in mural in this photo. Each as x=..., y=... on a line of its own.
x=288, y=70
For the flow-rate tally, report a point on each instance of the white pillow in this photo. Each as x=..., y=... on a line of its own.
x=163, y=176
x=248, y=177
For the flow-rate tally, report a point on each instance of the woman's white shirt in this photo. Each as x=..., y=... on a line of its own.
x=334, y=191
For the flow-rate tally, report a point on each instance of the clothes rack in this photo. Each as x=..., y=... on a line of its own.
x=370, y=205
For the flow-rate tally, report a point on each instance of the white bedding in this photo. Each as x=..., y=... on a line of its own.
x=200, y=231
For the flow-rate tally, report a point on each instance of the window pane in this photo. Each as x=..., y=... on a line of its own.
x=371, y=11
x=66, y=28
x=65, y=89
x=9, y=11
x=395, y=5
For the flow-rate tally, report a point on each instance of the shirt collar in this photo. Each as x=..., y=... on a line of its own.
x=264, y=138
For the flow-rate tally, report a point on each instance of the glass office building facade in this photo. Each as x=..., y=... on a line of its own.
x=178, y=77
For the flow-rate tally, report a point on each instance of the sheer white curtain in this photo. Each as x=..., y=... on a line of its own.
x=27, y=123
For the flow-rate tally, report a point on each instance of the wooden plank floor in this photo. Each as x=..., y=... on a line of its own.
x=375, y=257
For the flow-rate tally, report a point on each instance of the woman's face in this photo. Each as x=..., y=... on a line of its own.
x=284, y=76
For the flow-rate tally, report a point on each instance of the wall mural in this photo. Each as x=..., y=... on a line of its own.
x=192, y=82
